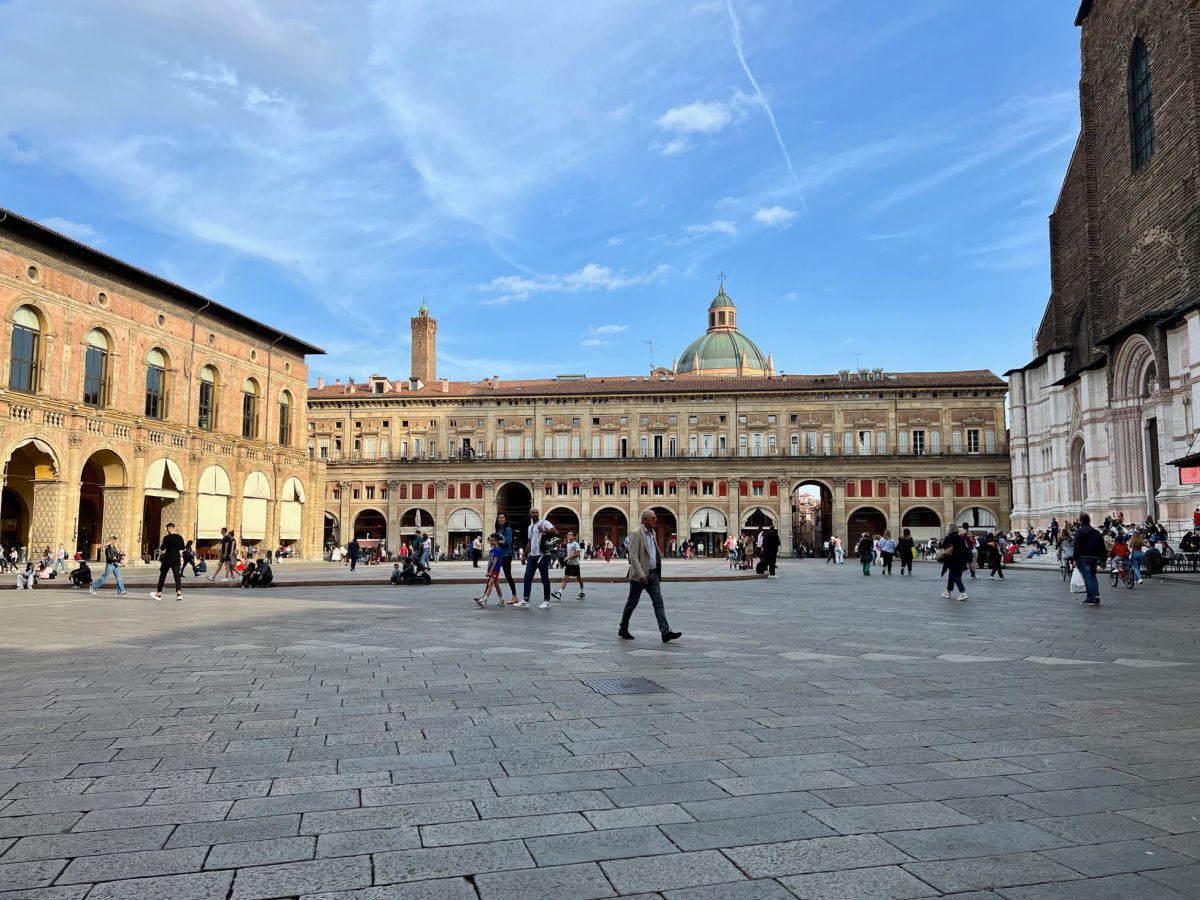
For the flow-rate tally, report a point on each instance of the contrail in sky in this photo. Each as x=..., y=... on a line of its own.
x=741, y=53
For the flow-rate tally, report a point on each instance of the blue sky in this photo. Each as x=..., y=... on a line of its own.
x=563, y=181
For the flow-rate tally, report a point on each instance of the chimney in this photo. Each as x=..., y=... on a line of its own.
x=444, y=384
x=337, y=381
x=320, y=383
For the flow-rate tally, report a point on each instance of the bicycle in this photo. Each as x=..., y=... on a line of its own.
x=1121, y=571
x=1066, y=567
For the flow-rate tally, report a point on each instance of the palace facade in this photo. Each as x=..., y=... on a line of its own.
x=129, y=401
x=1104, y=415
x=717, y=444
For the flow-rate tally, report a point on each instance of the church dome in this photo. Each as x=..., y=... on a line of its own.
x=722, y=349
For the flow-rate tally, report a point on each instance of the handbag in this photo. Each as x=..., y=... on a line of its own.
x=1077, y=585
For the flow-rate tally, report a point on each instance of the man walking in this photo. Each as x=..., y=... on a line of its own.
x=352, y=550
x=1089, y=551
x=770, y=550
x=113, y=559
x=170, y=558
x=645, y=574
x=60, y=559
x=537, y=559
x=225, y=557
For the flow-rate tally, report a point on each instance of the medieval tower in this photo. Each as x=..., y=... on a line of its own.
x=424, y=345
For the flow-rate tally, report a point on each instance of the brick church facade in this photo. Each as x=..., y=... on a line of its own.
x=1109, y=400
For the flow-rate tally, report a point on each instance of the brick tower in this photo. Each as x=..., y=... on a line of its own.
x=424, y=345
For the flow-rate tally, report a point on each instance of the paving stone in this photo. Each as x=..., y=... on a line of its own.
x=613, y=843
x=583, y=881
x=752, y=805
x=775, y=784
x=545, y=784
x=1080, y=801
x=984, y=872
x=889, y=817
x=1076, y=778
x=27, y=875
x=436, y=889
x=762, y=829
x=815, y=855
x=375, y=817
x=52, y=823
x=290, y=879
x=992, y=809
x=1096, y=828
x=958, y=788
x=502, y=829
x=1175, y=819
x=138, y=864
x=440, y=862
x=202, y=886
x=633, y=816
x=421, y=793
x=201, y=834
x=165, y=814
x=373, y=840
x=293, y=803
x=738, y=890
x=92, y=843
x=1119, y=887
x=661, y=873
x=960, y=842
x=76, y=803
x=67, y=892
x=882, y=883
x=649, y=794
x=261, y=853
x=1183, y=879
x=1117, y=858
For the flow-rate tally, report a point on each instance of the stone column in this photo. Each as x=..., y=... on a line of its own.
x=948, y=501
x=784, y=528
x=489, y=508
x=46, y=517
x=117, y=516
x=440, y=531
x=1004, y=492
x=345, y=525
x=393, y=515
x=72, y=488
x=838, y=512
x=893, y=507
x=585, y=510
x=683, y=516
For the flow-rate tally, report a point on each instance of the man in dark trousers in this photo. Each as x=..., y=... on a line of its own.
x=770, y=550
x=1090, y=551
x=645, y=572
x=170, y=558
x=352, y=551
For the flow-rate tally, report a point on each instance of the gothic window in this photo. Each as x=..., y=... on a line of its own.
x=1141, y=106
x=250, y=409
x=156, y=384
x=26, y=342
x=207, y=407
x=95, y=370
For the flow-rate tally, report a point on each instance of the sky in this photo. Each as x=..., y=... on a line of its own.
x=562, y=182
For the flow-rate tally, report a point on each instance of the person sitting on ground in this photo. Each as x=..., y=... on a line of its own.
x=396, y=574
x=247, y=573
x=263, y=574
x=46, y=570
x=26, y=579
x=82, y=576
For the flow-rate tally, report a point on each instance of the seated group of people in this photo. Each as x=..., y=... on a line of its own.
x=257, y=573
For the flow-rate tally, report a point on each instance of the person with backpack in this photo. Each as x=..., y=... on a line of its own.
x=538, y=554
x=955, y=558
x=972, y=544
x=906, y=549
x=113, y=560
x=866, y=552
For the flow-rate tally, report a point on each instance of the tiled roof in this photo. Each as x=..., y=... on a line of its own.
x=683, y=384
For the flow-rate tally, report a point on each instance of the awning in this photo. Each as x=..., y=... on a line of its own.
x=709, y=519
x=293, y=489
x=214, y=480
x=163, y=479
x=465, y=520
x=257, y=486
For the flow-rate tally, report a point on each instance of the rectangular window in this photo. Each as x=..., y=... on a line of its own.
x=756, y=489
x=23, y=374
x=95, y=376
x=323, y=449
x=706, y=445
x=742, y=444
x=562, y=489
x=976, y=487
x=849, y=443
x=659, y=489
x=692, y=445
x=864, y=443
x=608, y=489
x=645, y=446
x=560, y=446
x=206, y=412
x=881, y=442
x=706, y=488
x=956, y=441
x=356, y=494
x=902, y=442
x=989, y=438
x=972, y=440
x=370, y=492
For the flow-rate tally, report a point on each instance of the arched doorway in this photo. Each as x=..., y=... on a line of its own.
x=708, y=528
x=463, y=526
x=978, y=519
x=31, y=479
x=609, y=524
x=515, y=500
x=417, y=519
x=291, y=511
x=1079, y=488
x=332, y=534
x=757, y=518
x=370, y=529
x=812, y=515
x=101, y=503
x=164, y=483
x=923, y=522
x=865, y=518
x=564, y=519
x=666, y=531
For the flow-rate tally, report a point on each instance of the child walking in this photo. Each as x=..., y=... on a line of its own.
x=495, y=562
x=570, y=567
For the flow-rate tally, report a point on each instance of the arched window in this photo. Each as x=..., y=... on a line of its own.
x=285, y=419
x=250, y=409
x=156, y=384
x=26, y=347
x=95, y=370
x=206, y=413
x=1141, y=106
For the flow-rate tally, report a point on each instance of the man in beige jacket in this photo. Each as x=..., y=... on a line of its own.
x=645, y=571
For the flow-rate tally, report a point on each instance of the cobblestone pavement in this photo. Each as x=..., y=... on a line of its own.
x=822, y=735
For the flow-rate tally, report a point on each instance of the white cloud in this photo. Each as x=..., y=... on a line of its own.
x=78, y=230
x=774, y=216
x=592, y=277
x=615, y=242
x=593, y=342
x=610, y=329
x=792, y=295
x=716, y=226
x=702, y=117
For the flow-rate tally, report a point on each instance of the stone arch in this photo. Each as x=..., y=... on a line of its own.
x=1133, y=359
x=564, y=518
x=866, y=518
x=666, y=528
x=978, y=518
x=32, y=493
x=1077, y=460
x=609, y=523
x=923, y=522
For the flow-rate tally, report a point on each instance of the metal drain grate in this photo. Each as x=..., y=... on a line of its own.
x=624, y=686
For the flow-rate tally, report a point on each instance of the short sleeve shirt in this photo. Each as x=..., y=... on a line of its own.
x=535, y=536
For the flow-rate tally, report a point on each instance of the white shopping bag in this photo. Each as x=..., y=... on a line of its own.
x=1077, y=585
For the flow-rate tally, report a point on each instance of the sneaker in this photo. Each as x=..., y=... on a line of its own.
x=212, y=577
x=545, y=604
x=963, y=597
x=178, y=596
x=156, y=595
x=122, y=593
x=92, y=591
x=1139, y=581
x=514, y=602
x=946, y=594
x=582, y=595
x=557, y=595
x=521, y=605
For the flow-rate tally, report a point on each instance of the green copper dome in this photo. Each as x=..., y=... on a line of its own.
x=721, y=350
x=721, y=301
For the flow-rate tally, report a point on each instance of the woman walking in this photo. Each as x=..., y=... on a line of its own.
x=504, y=533
x=995, y=557
x=907, y=551
x=887, y=549
x=866, y=552
x=955, y=556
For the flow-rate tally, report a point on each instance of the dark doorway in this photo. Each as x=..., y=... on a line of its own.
x=1152, y=467
x=515, y=500
x=867, y=519
x=370, y=528
x=609, y=524
x=666, y=530
x=331, y=536
x=14, y=522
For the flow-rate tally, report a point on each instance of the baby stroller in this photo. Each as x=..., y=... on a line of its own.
x=414, y=572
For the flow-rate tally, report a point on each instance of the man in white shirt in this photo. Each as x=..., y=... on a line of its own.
x=645, y=572
x=571, y=567
x=536, y=559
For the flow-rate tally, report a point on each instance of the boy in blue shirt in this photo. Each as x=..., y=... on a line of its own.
x=495, y=559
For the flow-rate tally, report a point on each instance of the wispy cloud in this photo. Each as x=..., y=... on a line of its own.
x=610, y=329
x=775, y=216
x=78, y=230
x=593, y=342
x=703, y=117
x=716, y=226
x=592, y=277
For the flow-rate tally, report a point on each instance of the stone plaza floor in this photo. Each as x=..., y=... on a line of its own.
x=821, y=735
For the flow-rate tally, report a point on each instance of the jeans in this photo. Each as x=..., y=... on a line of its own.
x=954, y=580
x=116, y=573
x=1087, y=567
x=837, y=556
x=652, y=588
x=537, y=564
x=60, y=565
x=1136, y=557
